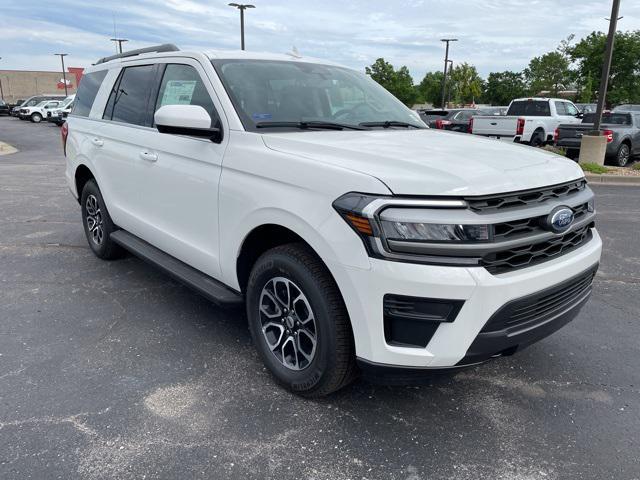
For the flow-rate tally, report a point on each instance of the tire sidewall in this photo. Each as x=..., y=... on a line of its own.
x=537, y=140
x=280, y=265
x=90, y=188
x=622, y=148
x=36, y=118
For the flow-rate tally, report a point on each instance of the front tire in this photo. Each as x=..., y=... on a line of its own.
x=36, y=118
x=97, y=223
x=299, y=323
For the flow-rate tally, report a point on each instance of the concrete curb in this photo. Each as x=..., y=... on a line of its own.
x=613, y=179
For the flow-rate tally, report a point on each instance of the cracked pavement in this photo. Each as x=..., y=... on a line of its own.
x=112, y=370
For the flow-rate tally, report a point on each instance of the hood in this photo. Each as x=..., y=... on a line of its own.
x=430, y=162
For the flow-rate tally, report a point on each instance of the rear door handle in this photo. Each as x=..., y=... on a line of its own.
x=149, y=156
x=97, y=142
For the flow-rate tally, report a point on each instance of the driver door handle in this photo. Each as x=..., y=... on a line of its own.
x=149, y=156
x=97, y=142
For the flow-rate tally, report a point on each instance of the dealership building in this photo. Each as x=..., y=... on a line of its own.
x=20, y=84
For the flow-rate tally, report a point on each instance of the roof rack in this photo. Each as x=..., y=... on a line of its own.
x=166, y=47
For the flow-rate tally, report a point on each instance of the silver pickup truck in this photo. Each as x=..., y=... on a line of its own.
x=528, y=120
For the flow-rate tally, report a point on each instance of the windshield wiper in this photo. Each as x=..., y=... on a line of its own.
x=311, y=124
x=388, y=124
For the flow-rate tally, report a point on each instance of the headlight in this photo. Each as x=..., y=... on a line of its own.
x=434, y=232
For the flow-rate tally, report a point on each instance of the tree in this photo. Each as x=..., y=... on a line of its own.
x=502, y=87
x=624, y=81
x=430, y=88
x=399, y=83
x=550, y=72
x=466, y=84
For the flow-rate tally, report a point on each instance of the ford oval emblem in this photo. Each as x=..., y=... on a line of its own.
x=560, y=219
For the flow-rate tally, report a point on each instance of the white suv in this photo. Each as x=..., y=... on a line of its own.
x=360, y=240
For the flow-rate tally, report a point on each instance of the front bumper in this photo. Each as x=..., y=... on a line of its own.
x=483, y=294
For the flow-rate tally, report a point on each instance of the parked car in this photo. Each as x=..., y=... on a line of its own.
x=528, y=120
x=358, y=239
x=4, y=108
x=627, y=107
x=62, y=115
x=622, y=130
x=38, y=112
x=54, y=114
x=456, y=119
x=33, y=101
x=585, y=108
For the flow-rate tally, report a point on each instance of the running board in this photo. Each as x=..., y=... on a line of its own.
x=207, y=286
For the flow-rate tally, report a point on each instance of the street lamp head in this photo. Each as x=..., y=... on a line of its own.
x=242, y=6
x=448, y=39
x=61, y=54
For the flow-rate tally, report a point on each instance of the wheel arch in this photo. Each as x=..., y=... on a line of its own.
x=81, y=176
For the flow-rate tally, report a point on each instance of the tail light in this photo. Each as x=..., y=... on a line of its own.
x=64, y=133
x=470, y=128
x=556, y=135
x=608, y=134
x=440, y=124
x=520, y=127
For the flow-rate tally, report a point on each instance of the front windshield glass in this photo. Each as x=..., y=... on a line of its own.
x=265, y=91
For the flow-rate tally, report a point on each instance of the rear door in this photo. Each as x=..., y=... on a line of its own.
x=635, y=136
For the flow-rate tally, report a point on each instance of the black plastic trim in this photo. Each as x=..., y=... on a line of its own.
x=207, y=286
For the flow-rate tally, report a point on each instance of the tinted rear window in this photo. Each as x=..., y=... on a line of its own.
x=87, y=91
x=609, y=118
x=128, y=100
x=530, y=108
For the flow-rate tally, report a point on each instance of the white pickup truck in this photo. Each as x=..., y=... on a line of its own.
x=528, y=120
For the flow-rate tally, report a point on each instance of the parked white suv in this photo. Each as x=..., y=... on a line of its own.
x=38, y=112
x=359, y=239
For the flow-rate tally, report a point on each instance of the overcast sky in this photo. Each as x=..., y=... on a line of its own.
x=494, y=35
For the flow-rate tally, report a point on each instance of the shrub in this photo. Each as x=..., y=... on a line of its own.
x=594, y=168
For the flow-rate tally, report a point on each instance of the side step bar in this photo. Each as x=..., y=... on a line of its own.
x=207, y=286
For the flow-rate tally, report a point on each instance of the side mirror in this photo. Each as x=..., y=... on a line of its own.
x=191, y=120
x=579, y=115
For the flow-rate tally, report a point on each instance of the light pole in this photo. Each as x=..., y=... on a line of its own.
x=1, y=92
x=242, y=7
x=449, y=92
x=64, y=75
x=119, y=42
x=446, y=64
x=606, y=66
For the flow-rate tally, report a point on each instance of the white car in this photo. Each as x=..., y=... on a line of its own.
x=359, y=239
x=38, y=112
x=54, y=114
x=528, y=120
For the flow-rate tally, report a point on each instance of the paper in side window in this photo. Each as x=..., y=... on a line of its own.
x=178, y=92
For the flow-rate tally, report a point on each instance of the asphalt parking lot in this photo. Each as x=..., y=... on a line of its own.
x=112, y=370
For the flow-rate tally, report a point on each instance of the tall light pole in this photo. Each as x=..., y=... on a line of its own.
x=606, y=66
x=119, y=42
x=64, y=75
x=449, y=92
x=242, y=7
x=1, y=92
x=446, y=64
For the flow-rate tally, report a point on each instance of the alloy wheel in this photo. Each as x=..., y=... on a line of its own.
x=288, y=323
x=94, y=220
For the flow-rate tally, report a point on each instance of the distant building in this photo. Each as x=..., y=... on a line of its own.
x=21, y=84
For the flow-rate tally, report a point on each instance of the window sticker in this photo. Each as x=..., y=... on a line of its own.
x=178, y=92
x=262, y=116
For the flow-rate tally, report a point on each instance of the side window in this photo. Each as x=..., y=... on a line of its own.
x=182, y=85
x=128, y=99
x=571, y=109
x=87, y=91
x=561, y=108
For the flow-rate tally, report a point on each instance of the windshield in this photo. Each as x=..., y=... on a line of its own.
x=32, y=103
x=265, y=91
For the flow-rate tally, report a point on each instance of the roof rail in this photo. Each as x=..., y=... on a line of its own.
x=166, y=47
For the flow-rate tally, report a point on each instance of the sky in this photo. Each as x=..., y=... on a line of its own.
x=494, y=35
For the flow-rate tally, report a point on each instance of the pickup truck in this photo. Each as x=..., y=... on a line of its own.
x=38, y=112
x=622, y=130
x=528, y=120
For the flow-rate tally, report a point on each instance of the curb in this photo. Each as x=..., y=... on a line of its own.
x=613, y=179
x=6, y=149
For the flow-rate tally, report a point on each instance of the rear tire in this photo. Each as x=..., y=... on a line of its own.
x=537, y=139
x=299, y=323
x=97, y=223
x=623, y=156
x=36, y=118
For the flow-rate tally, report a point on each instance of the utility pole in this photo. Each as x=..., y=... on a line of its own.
x=242, y=7
x=119, y=42
x=449, y=91
x=446, y=64
x=64, y=75
x=606, y=66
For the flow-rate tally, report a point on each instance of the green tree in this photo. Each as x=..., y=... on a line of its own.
x=465, y=84
x=502, y=87
x=624, y=81
x=430, y=88
x=398, y=82
x=549, y=72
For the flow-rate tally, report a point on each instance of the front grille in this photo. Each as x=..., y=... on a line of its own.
x=543, y=306
x=506, y=260
x=493, y=203
x=530, y=226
